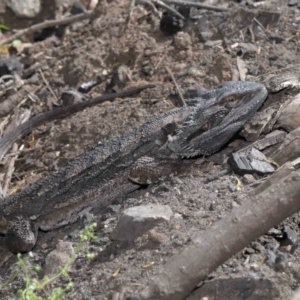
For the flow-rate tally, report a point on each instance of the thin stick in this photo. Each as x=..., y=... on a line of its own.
x=48, y=85
x=131, y=8
x=160, y=61
x=10, y=170
x=181, y=274
x=259, y=24
x=195, y=4
x=46, y=24
x=170, y=9
x=177, y=87
x=157, y=13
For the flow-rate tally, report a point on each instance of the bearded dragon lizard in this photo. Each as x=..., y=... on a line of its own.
x=114, y=168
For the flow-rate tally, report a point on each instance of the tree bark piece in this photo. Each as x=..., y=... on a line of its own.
x=289, y=149
x=227, y=237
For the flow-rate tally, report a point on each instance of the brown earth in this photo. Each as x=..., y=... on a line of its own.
x=94, y=50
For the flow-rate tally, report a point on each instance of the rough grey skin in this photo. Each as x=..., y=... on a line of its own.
x=147, y=154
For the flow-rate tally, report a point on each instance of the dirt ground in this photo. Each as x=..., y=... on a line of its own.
x=204, y=54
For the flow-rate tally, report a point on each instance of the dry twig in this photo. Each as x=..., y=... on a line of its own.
x=48, y=85
x=241, y=68
x=168, y=8
x=196, y=4
x=10, y=170
x=181, y=274
x=177, y=87
x=259, y=24
x=46, y=24
x=157, y=13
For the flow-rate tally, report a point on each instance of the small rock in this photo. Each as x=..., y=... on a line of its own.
x=248, y=179
x=274, y=232
x=160, y=188
x=250, y=161
x=182, y=41
x=277, y=39
x=177, y=227
x=10, y=65
x=292, y=2
x=289, y=240
x=232, y=187
x=58, y=258
x=114, y=208
x=156, y=237
x=87, y=86
x=44, y=246
x=71, y=97
x=290, y=236
x=249, y=250
x=247, y=47
x=273, y=57
x=205, y=36
x=214, y=43
x=271, y=255
x=289, y=116
x=136, y=221
x=280, y=263
x=77, y=8
x=25, y=8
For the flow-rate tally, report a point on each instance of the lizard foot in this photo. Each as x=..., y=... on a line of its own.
x=22, y=234
x=149, y=170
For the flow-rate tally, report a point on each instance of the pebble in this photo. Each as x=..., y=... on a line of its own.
x=156, y=237
x=58, y=258
x=136, y=221
x=248, y=179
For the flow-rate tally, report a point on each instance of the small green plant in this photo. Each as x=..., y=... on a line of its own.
x=3, y=27
x=34, y=286
x=36, y=289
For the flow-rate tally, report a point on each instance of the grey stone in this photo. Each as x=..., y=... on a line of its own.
x=25, y=8
x=58, y=258
x=292, y=2
x=10, y=65
x=250, y=161
x=136, y=221
x=248, y=179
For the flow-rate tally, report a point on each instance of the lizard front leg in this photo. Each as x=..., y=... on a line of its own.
x=21, y=233
x=149, y=170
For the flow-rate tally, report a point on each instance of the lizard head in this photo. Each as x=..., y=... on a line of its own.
x=206, y=131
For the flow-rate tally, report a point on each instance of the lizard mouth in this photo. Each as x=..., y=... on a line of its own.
x=236, y=100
